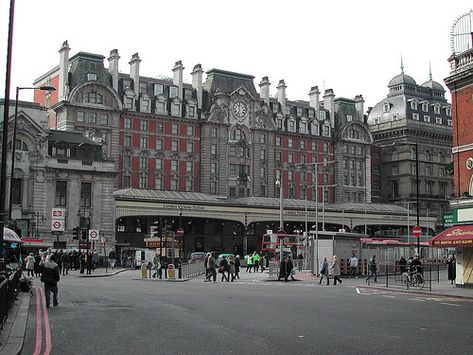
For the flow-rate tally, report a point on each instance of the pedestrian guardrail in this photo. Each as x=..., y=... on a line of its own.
x=9, y=289
x=192, y=268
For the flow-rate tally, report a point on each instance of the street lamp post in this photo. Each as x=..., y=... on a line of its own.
x=417, y=194
x=279, y=183
x=48, y=88
x=181, y=248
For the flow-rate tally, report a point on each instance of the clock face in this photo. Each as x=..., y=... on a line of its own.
x=239, y=109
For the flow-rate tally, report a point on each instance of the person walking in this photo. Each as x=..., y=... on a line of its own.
x=237, y=267
x=212, y=265
x=335, y=267
x=300, y=259
x=29, y=264
x=402, y=265
x=64, y=263
x=206, y=267
x=451, y=268
x=282, y=269
x=373, y=270
x=112, y=259
x=224, y=269
x=290, y=270
x=324, y=271
x=262, y=261
x=256, y=260
x=353, y=265
x=37, y=266
x=50, y=277
x=249, y=263
x=158, y=270
x=231, y=269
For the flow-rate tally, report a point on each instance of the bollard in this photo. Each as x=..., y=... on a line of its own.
x=171, y=272
x=180, y=271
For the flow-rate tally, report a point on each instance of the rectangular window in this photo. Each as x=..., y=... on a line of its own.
x=129, y=103
x=143, y=162
x=159, y=127
x=191, y=112
x=127, y=142
x=425, y=107
x=189, y=166
x=190, y=147
x=174, y=165
x=213, y=187
x=175, y=145
x=158, y=89
x=428, y=170
x=85, y=194
x=232, y=170
x=326, y=130
x=189, y=185
x=278, y=141
x=126, y=181
x=159, y=164
x=175, y=128
x=299, y=111
x=144, y=125
x=413, y=105
x=262, y=154
x=292, y=126
x=91, y=77
x=127, y=123
x=325, y=147
x=103, y=119
x=175, y=110
x=174, y=183
x=173, y=92
x=427, y=118
x=290, y=158
x=61, y=193
x=415, y=116
x=145, y=105
x=92, y=118
x=449, y=123
x=311, y=113
x=232, y=151
x=213, y=167
x=262, y=138
x=159, y=144
x=80, y=116
x=213, y=149
x=279, y=156
x=275, y=108
x=394, y=170
x=437, y=109
x=289, y=142
x=126, y=84
x=438, y=120
x=161, y=108
x=143, y=182
x=159, y=183
x=143, y=88
x=302, y=143
x=213, y=132
x=262, y=172
x=127, y=161
x=349, y=118
x=143, y=142
x=190, y=131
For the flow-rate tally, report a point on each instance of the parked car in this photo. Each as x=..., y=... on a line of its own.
x=197, y=256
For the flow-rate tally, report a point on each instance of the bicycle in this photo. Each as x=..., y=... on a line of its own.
x=414, y=279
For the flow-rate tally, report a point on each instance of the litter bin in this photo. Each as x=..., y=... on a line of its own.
x=144, y=270
x=171, y=272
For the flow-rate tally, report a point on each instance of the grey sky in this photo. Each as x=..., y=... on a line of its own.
x=353, y=47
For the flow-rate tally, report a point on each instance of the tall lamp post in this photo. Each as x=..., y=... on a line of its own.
x=279, y=182
x=48, y=88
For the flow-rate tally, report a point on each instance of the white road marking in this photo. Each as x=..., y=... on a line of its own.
x=450, y=304
x=417, y=299
x=358, y=290
x=388, y=296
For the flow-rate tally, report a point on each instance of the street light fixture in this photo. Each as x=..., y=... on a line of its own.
x=48, y=88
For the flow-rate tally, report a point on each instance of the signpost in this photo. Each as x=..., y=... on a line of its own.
x=281, y=234
x=417, y=231
x=180, y=231
x=104, y=240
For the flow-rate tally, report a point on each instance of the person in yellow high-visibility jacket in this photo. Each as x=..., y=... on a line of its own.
x=256, y=260
x=249, y=263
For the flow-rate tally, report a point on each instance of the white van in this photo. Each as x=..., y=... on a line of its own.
x=144, y=255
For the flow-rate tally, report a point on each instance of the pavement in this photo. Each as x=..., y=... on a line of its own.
x=13, y=332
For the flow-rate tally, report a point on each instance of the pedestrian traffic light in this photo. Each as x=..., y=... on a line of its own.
x=75, y=233
x=83, y=235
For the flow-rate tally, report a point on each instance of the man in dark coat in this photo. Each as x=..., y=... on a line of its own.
x=451, y=268
x=50, y=277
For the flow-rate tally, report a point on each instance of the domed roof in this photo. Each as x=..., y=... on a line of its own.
x=402, y=79
x=433, y=85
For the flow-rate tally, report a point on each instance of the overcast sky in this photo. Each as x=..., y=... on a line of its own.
x=353, y=47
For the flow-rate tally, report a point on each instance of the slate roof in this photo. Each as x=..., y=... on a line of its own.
x=71, y=137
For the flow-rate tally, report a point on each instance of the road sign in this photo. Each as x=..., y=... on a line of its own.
x=103, y=240
x=281, y=234
x=417, y=231
x=180, y=231
x=93, y=234
x=57, y=225
x=58, y=213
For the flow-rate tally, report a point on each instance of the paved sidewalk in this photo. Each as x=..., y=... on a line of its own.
x=13, y=333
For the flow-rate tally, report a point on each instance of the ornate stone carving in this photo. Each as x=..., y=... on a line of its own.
x=219, y=109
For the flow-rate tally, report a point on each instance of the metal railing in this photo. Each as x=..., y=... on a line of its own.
x=192, y=268
x=9, y=289
x=394, y=276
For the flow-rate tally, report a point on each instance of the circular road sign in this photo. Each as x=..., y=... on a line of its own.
x=180, y=231
x=103, y=240
x=417, y=231
x=57, y=224
x=281, y=234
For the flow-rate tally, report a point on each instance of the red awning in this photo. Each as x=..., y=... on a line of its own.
x=456, y=236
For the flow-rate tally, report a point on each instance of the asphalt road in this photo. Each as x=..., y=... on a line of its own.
x=121, y=315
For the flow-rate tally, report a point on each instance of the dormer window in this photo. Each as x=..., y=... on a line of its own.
x=191, y=111
x=93, y=98
x=386, y=107
x=145, y=105
x=292, y=126
x=279, y=123
x=126, y=84
x=427, y=119
x=91, y=77
x=322, y=115
x=415, y=116
x=288, y=110
x=311, y=113
x=438, y=120
x=176, y=109
x=173, y=92
x=315, y=129
x=158, y=89
x=129, y=103
x=143, y=88
x=326, y=130
x=413, y=105
x=275, y=108
x=437, y=109
x=449, y=123
x=299, y=111
x=425, y=107
x=448, y=111
x=161, y=107
x=303, y=127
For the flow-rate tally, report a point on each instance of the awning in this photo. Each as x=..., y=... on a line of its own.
x=456, y=236
x=10, y=236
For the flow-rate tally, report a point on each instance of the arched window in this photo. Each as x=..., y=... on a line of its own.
x=238, y=135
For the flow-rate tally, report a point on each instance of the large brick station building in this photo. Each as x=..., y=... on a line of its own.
x=218, y=136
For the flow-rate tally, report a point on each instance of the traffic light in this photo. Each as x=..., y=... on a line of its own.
x=75, y=233
x=83, y=235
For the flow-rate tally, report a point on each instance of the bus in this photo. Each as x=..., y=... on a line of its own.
x=270, y=245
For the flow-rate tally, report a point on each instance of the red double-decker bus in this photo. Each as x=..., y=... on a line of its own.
x=270, y=245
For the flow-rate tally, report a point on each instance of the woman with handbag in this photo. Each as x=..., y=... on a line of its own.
x=335, y=267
